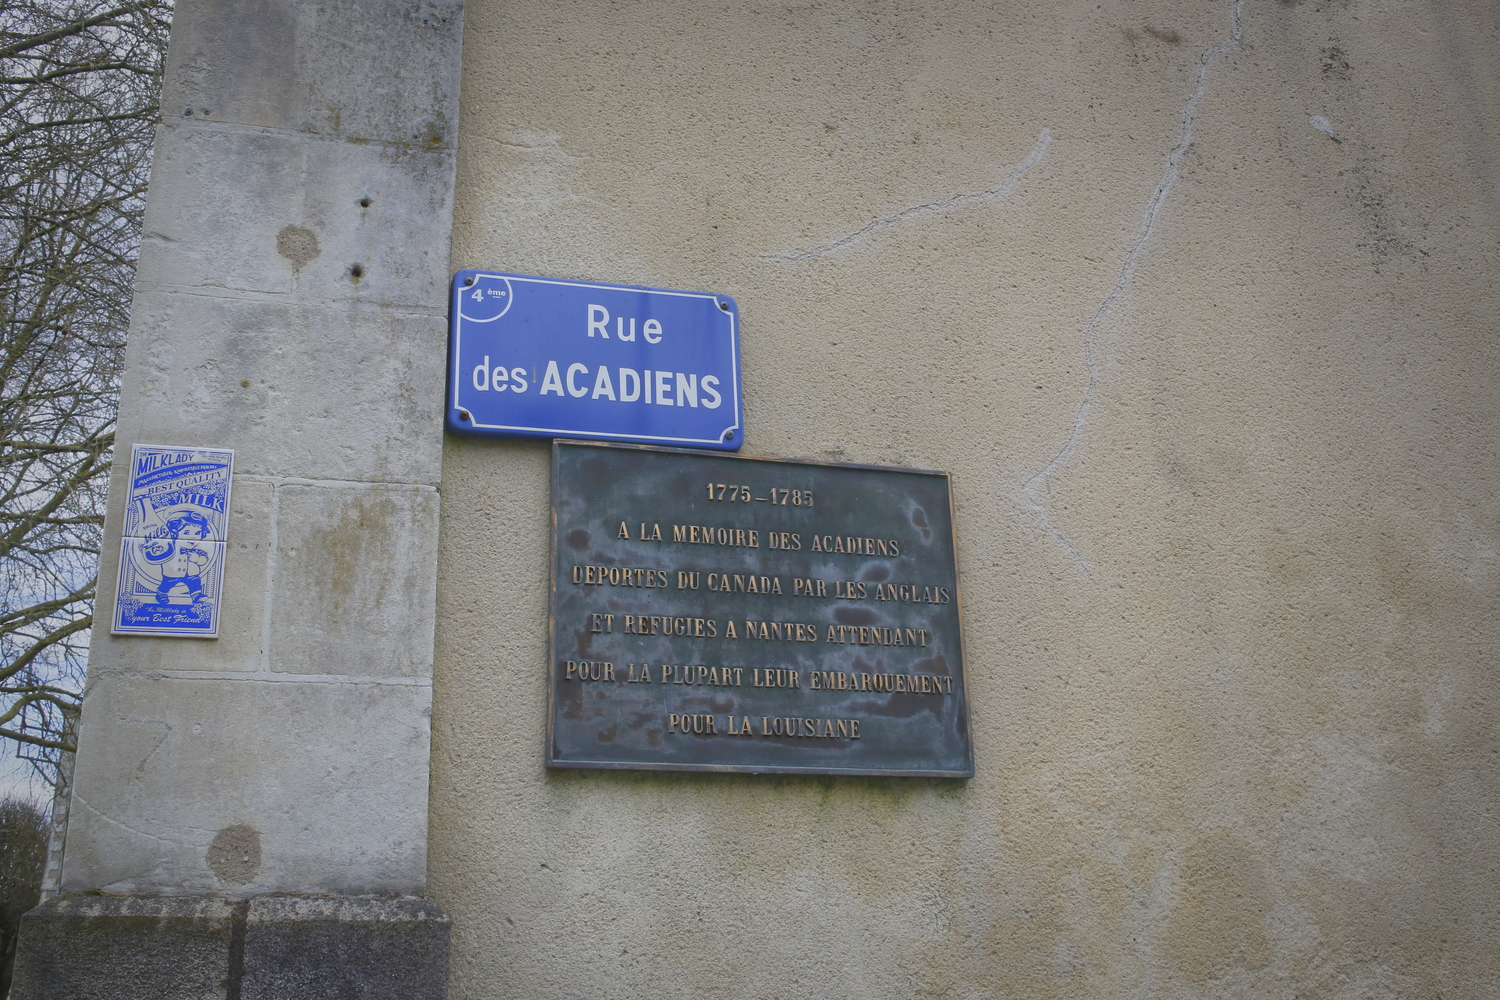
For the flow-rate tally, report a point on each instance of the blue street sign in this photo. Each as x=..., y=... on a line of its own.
x=539, y=357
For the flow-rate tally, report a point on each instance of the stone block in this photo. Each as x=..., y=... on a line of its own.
x=343, y=393
x=102, y=948
x=269, y=948
x=306, y=211
x=331, y=779
x=310, y=949
x=356, y=581
x=357, y=70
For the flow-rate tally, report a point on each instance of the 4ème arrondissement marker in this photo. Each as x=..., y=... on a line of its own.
x=712, y=612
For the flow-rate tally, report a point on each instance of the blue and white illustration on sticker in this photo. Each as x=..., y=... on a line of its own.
x=176, y=537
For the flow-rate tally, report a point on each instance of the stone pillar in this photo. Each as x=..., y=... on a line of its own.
x=249, y=816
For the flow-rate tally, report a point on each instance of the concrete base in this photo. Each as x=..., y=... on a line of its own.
x=269, y=948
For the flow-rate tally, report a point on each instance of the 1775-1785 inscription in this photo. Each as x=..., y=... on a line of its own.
x=717, y=613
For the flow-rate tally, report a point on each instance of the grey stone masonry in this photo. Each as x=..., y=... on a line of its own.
x=268, y=948
x=290, y=304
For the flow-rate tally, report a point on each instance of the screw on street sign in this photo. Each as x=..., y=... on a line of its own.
x=540, y=357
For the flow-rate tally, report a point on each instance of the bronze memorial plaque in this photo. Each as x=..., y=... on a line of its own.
x=718, y=613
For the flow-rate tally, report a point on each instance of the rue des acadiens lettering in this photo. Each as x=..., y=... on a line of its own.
x=596, y=671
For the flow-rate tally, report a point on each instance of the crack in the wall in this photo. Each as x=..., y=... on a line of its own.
x=1042, y=142
x=79, y=800
x=1127, y=270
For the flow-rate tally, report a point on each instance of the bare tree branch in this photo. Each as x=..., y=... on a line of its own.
x=43, y=38
x=38, y=741
x=79, y=93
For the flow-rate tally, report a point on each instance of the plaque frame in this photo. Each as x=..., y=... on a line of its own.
x=962, y=724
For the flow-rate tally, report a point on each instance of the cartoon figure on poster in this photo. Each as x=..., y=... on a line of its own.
x=172, y=555
x=182, y=561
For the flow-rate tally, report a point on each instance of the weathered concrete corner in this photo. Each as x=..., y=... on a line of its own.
x=289, y=305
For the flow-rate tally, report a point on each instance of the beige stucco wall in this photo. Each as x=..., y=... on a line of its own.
x=1219, y=396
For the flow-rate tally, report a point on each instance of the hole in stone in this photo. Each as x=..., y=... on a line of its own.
x=364, y=203
x=356, y=272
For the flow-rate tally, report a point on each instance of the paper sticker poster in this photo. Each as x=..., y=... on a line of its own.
x=176, y=535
